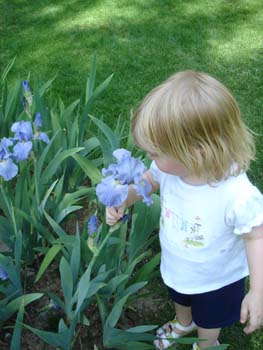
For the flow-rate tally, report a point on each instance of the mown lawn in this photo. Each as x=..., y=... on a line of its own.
x=142, y=42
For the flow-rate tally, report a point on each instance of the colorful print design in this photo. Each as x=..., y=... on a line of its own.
x=190, y=231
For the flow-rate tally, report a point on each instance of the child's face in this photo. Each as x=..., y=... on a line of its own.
x=169, y=165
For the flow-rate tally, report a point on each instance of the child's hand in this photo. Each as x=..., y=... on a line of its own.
x=113, y=215
x=252, y=311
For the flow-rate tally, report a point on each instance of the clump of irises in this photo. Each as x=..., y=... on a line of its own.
x=113, y=189
x=18, y=147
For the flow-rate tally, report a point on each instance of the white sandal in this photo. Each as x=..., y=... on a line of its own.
x=167, y=333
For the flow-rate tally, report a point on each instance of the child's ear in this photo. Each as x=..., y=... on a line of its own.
x=199, y=153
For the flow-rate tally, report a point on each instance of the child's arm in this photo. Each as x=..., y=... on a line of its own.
x=252, y=306
x=115, y=214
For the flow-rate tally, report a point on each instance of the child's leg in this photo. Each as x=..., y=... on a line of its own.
x=210, y=334
x=180, y=326
x=183, y=315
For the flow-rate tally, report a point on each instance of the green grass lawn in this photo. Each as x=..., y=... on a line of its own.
x=142, y=42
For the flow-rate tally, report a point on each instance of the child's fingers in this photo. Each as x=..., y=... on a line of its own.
x=244, y=312
x=111, y=222
x=113, y=215
x=111, y=212
x=121, y=211
x=252, y=325
x=255, y=321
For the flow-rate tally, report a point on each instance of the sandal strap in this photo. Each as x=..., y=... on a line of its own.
x=182, y=328
x=175, y=324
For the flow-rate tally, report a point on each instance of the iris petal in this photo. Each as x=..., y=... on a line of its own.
x=129, y=169
x=143, y=188
x=111, y=193
x=23, y=131
x=121, y=154
x=111, y=170
x=43, y=137
x=4, y=144
x=21, y=150
x=8, y=169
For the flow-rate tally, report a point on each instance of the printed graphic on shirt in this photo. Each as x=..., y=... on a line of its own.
x=185, y=232
x=195, y=238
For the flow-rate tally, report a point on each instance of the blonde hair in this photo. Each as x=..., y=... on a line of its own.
x=195, y=119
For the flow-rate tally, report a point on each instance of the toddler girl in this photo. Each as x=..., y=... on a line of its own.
x=211, y=231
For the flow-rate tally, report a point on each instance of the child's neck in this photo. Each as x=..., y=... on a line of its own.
x=193, y=180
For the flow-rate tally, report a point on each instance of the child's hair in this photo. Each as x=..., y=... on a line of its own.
x=194, y=118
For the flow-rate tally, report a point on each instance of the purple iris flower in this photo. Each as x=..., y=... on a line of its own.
x=113, y=189
x=111, y=192
x=92, y=225
x=127, y=169
x=23, y=134
x=38, y=121
x=8, y=169
x=39, y=135
x=25, y=85
x=23, y=131
x=42, y=136
x=3, y=274
x=143, y=188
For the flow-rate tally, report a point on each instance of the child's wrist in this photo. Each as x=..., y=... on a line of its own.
x=256, y=289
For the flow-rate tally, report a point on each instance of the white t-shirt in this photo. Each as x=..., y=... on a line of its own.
x=201, y=231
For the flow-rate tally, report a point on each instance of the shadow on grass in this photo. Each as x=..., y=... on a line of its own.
x=141, y=42
x=146, y=37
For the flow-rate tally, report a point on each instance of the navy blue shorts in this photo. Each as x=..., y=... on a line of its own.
x=215, y=309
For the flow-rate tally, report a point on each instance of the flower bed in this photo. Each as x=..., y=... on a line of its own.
x=57, y=264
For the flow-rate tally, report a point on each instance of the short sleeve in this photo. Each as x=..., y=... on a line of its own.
x=156, y=172
x=246, y=210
